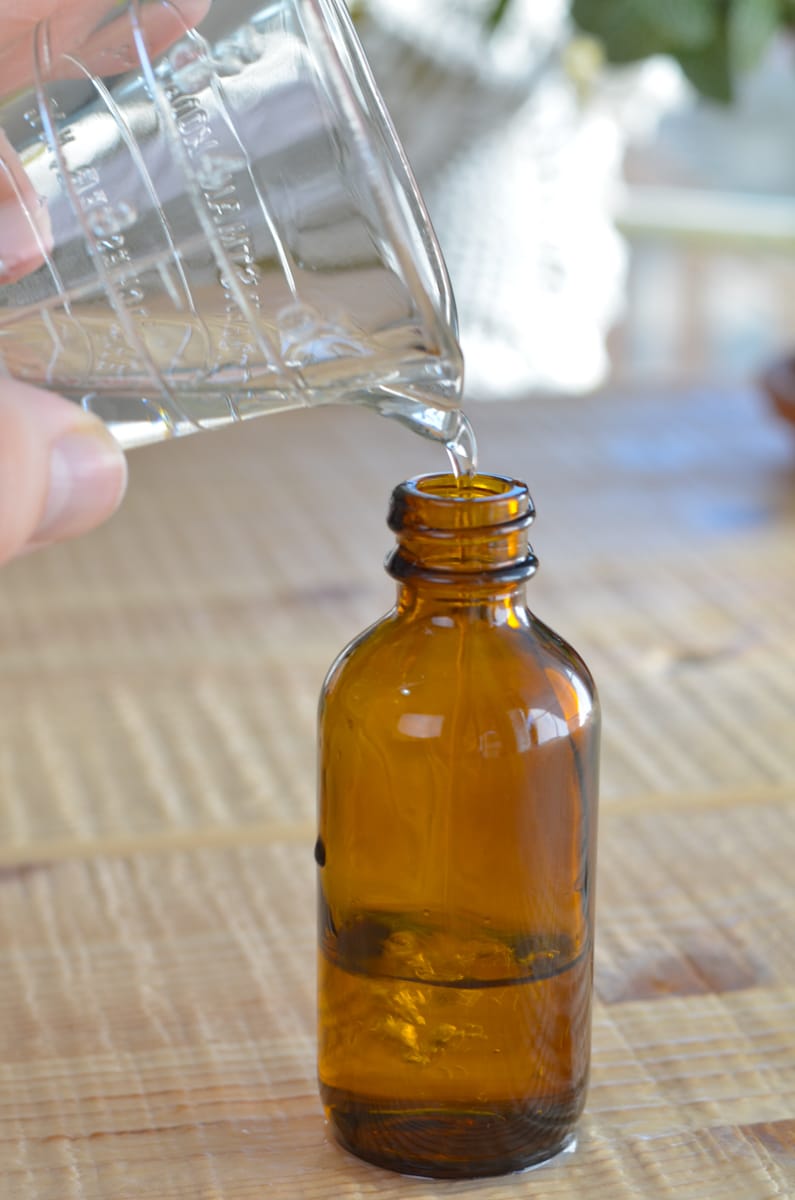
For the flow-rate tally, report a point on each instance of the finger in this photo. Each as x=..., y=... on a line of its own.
x=68, y=26
x=16, y=19
x=61, y=472
x=25, y=229
x=112, y=49
x=72, y=33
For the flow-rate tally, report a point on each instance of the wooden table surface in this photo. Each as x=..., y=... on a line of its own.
x=158, y=686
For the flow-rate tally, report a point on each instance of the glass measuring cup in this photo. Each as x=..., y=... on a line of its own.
x=205, y=215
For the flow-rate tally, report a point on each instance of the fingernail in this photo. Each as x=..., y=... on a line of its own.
x=88, y=474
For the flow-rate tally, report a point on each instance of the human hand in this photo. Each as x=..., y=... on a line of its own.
x=81, y=29
x=61, y=472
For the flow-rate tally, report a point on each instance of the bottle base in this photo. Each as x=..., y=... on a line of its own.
x=451, y=1141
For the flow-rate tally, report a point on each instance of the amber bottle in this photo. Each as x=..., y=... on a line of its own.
x=458, y=779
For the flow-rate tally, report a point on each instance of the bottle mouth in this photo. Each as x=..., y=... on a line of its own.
x=450, y=502
x=451, y=526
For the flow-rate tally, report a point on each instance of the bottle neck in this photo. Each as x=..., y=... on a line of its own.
x=461, y=543
x=495, y=606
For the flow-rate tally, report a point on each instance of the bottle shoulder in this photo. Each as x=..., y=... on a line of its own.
x=356, y=658
x=438, y=662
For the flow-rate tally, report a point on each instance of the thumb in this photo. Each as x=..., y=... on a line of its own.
x=61, y=472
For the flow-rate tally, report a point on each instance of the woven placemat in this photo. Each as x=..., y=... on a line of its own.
x=158, y=692
x=158, y=1021
x=159, y=679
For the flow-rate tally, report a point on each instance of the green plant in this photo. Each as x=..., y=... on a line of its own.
x=714, y=41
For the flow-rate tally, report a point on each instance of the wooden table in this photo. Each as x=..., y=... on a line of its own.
x=158, y=687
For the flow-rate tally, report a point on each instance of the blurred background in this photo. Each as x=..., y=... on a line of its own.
x=612, y=181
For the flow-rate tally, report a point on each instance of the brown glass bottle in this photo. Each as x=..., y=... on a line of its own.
x=457, y=803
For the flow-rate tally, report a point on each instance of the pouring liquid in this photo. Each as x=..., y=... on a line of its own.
x=462, y=449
